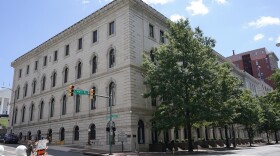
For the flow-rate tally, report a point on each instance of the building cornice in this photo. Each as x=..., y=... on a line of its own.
x=95, y=16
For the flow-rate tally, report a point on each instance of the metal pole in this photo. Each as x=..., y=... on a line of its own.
x=111, y=130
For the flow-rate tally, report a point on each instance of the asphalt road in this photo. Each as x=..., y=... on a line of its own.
x=10, y=150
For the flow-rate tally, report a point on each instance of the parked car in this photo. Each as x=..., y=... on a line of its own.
x=10, y=138
x=2, y=137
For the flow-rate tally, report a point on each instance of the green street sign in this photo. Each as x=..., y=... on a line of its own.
x=113, y=116
x=81, y=92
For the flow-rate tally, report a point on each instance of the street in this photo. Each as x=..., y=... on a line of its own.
x=10, y=150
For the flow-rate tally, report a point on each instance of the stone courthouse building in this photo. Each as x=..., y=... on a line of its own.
x=102, y=51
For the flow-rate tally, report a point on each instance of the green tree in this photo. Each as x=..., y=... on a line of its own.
x=180, y=76
x=249, y=113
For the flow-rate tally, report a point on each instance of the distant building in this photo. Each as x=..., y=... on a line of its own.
x=5, y=98
x=259, y=63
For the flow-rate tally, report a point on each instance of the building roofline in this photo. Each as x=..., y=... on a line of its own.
x=83, y=21
x=272, y=53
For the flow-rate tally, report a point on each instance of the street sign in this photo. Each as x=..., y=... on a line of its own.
x=81, y=92
x=122, y=137
x=113, y=116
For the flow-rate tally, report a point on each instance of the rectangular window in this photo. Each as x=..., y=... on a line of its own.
x=36, y=65
x=45, y=60
x=111, y=28
x=55, y=56
x=94, y=36
x=80, y=43
x=27, y=70
x=67, y=49
x=161, y=34
x=20, y=71
x=151, y=30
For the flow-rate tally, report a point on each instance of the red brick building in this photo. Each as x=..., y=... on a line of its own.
x=259, y=63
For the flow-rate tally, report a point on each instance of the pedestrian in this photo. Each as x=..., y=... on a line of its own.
x=29, y=149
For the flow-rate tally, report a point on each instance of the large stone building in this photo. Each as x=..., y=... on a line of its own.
x=103, y=51
x=5, y=99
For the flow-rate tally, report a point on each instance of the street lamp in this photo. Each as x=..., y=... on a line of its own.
x=13, y=113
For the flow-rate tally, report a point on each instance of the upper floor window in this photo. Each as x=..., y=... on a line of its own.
x=76, y=133
x=53, y=79
x=23, y=114
x=94, y=36
x=31, y=111
x=112, y=93
x=25, y=90
x=34, y=86
x=65, y=73
x=80, y=43
x=43, y=87
x=52, y=107
x=19, y=74
x=94, y=65
x=161, y=34
x=41, y=110
x=111, y=58
x=79, y=70
x=64, y=101
x=67, y=50
x=15, y=118
x=18, y=92
x=111, y=28
x=78, y=102
x=45, y=60
x=36, y=65
x=151, y=31
x=55, y=55
x=27, y=69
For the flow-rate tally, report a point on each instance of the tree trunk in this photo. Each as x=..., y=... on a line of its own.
x=233, y=136
x=226, y=135
x=276, y=138
x=189, y=129
x=249, y=135
x=267, y=136
x=214, y=133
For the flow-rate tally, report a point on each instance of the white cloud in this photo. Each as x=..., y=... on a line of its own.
x=86, y=1
x=158, y=1
x=258, y=37
x=176, y=17
x=223, y=2
x=197, y=7
x=265, y=21
x=270, y=38
x=278, y=39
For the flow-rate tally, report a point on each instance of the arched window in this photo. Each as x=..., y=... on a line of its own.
x=112, y=92
x=25, y=90
x=176, y=134
x=53, y=79
x=65, y=77
x=20, y=135
x=64, y=100
x=79, y=70
x=92, y=132
x=94, y=65
x=16, y=112
x=43, y=87
x=78, y=102
x=62, y=134
x=152, y=55
x=93, y=101
x=31, y=111
x=141, y=133
x=52, y=107
x=154, y=135
x=23, y=114
x=76, y=133
x=111, y=58
x=39, y=135
x=29, y=135
x=34, y=83
x=18, y=91
x=41, y=110
x=49, y=135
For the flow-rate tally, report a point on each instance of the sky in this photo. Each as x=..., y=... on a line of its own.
x=240, y=25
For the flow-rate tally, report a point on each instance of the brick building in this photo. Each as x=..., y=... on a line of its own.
x=259, y=63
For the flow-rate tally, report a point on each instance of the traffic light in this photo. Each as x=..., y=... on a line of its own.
x=92, y=93
x=71, y=90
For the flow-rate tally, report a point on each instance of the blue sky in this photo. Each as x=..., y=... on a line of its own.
x=239, y=25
